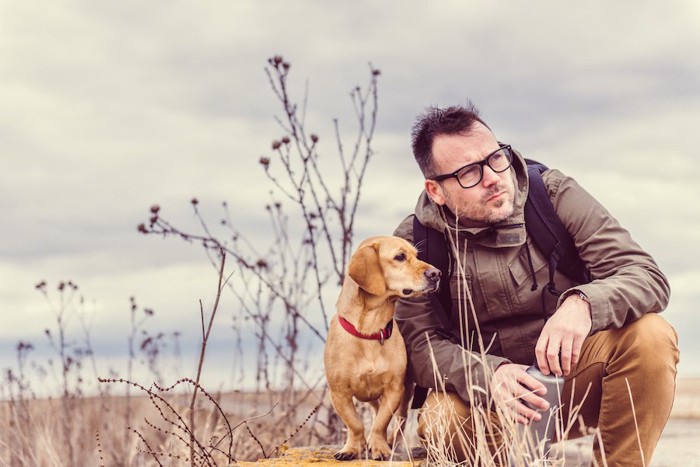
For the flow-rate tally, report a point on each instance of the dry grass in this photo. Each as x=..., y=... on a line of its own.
x=33, y=432
x=237, y=426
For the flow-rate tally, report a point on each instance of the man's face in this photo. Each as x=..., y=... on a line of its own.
x=491, y=200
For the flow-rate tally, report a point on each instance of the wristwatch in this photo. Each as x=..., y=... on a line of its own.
x=582, y=296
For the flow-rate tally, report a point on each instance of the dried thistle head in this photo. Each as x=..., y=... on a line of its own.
x=24, y=346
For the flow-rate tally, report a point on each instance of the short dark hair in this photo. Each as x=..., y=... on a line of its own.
x=437, y=121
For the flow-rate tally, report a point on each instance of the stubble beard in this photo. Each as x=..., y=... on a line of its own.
x=497, y=212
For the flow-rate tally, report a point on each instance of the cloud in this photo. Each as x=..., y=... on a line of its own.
x=111, y=107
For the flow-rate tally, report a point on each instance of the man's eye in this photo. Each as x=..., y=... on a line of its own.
x=400, y=257
x=469, y=171
x=496, y=157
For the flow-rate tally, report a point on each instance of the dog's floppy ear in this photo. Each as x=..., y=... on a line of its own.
x=365, y=270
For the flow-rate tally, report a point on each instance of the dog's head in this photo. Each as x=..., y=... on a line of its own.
x=390, y=266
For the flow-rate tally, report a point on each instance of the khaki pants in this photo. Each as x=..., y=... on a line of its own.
x=637, y=362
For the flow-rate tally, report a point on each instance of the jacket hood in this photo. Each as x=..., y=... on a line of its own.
x=509, y=232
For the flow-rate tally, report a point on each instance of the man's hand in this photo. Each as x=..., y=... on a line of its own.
x=559, y=347
x=511, y=385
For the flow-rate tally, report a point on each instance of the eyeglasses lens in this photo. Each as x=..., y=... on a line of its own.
x=499, y=161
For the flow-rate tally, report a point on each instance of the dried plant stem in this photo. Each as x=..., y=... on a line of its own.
x=636, y=426
x=205, y=338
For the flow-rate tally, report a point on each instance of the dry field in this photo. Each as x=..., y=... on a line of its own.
x=687, y=403
x=94, y=431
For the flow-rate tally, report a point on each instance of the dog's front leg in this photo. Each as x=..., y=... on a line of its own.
x=402, y=413
x=378, y=446
x=356, y=443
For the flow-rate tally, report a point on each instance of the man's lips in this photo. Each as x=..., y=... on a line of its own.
x=496, y=196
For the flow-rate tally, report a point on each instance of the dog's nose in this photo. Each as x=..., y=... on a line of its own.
x=433, y=274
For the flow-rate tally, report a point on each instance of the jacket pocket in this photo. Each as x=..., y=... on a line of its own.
x=528, y=270
x=462, y=289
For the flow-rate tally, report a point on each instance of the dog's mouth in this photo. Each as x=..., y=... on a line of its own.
x=430, y=288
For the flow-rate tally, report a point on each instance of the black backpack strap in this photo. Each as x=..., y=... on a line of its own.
x=432, y=248
x=547, y=231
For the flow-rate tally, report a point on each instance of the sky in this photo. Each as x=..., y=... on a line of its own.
x=111, y=107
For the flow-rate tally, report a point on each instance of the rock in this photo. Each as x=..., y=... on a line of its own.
x=323, y=455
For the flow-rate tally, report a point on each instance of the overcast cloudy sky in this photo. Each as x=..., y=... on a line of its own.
x=109, y=107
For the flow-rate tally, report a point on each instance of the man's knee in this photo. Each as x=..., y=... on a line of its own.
x=441, y=412
x=651, y=339
x=447, y=424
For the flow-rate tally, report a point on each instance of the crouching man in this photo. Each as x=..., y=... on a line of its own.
x=510, y=308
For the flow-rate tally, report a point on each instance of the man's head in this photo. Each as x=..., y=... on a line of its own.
x=447, y=140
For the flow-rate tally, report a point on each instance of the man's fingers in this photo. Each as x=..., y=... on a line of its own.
x=534, y=402
x=521, y=412
x=528, y=402
x=540, y=354
x=517, y=398
x=526, y=414
x=570, y=353
x=576, y=350
x=530, y=384
x=530, y=391
x=553, y=356
x=566, y=356
x=513, y=388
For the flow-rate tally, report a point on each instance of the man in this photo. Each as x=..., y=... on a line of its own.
x=605, y=337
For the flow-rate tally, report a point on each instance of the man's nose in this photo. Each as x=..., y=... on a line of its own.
x=489, y=177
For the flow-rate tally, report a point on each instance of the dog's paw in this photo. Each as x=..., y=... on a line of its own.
x=345, y=455
x=379, y=449
x=354, y=448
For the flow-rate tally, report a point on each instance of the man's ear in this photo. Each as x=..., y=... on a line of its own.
x=366, y=271
x=434, y=191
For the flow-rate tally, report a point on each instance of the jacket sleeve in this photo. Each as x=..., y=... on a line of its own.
x=626, y=281
x=435, y=358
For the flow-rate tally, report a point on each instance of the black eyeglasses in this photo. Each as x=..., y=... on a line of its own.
x=471, y=174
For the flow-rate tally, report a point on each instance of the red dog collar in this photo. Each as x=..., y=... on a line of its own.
x=380, y=336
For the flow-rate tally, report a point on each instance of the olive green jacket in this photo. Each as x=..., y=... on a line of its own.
x=498, y=282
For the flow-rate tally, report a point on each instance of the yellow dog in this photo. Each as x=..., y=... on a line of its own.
x=365, y=355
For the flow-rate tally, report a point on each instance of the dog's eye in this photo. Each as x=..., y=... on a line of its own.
x=400, y=257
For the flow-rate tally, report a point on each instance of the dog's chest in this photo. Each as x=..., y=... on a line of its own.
x=372, y=368
x=372, y=374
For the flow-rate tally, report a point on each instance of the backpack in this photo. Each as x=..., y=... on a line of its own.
x=544, y=228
